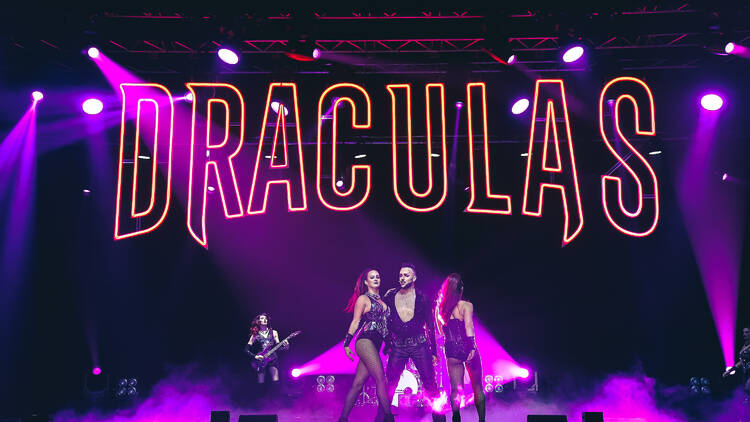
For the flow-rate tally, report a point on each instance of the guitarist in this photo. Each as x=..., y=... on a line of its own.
x=262, y=339
x=744, y=361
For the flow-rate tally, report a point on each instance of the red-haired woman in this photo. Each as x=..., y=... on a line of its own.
x=370, y=319
x=263, y=338
x=455, y=320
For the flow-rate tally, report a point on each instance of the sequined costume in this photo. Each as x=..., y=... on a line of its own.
x=260, y=344
x=373, y=324
x=745, y=362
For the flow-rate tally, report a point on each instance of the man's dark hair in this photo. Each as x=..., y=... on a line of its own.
x=409, y=265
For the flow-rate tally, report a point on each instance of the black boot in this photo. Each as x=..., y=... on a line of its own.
x=389, y=418
x=456, y=416
x=436, y=417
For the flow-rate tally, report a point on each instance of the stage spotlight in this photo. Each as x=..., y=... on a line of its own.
x=325, y=383
x=340, y=183
x=358, y=156
x=724, y=176
x=37, y=96
x=654, y=152
x=296, y=372
x=501, y=53
x=488, y=388
x=228, y=56
x=520, y=372
x=86, y=192
x=126, y=388
x=459, y=105
x=275, y=107
x=737, y=50
x=93, y=52
x=189, y=97
x=699, y=385
x=96, y=383
x=520, y=106
x=303, y=50
x=572, y=54
x=711, y=102
x=92, y=106
x=434, y=155
x=524, y=154
x=211, y=188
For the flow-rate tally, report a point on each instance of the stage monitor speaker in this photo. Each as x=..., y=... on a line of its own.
x=219, y=416
x=593, y=417
x=546, y=418
x=258, y=418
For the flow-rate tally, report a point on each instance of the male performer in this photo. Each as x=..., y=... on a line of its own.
x=412, y=333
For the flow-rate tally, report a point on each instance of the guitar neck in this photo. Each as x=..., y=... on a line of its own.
x=274, y=348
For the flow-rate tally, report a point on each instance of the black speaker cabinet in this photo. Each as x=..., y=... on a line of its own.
x=258, y=418
x=546, y=418
x=593, y=417
x=219, y=416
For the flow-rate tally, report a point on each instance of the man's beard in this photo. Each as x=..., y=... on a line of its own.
x=406, y=286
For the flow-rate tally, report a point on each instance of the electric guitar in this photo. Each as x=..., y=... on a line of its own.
x=260, y=364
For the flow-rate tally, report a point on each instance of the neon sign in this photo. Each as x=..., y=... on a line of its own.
x=279, y=158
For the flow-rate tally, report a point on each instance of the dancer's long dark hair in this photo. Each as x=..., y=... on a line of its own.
x=255, y=325
x=360, y=288
x=450, y=293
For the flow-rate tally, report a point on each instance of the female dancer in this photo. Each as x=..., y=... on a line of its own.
x=262, y=338
x=370, y=318
x=455, y=321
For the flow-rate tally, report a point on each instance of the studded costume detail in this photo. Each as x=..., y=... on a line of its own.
x=261, y=343
x=374, y=324
x=745, y=362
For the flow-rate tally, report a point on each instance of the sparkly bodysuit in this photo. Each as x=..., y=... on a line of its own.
x=745, y=362
x=374, y=324
x=261, y=344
